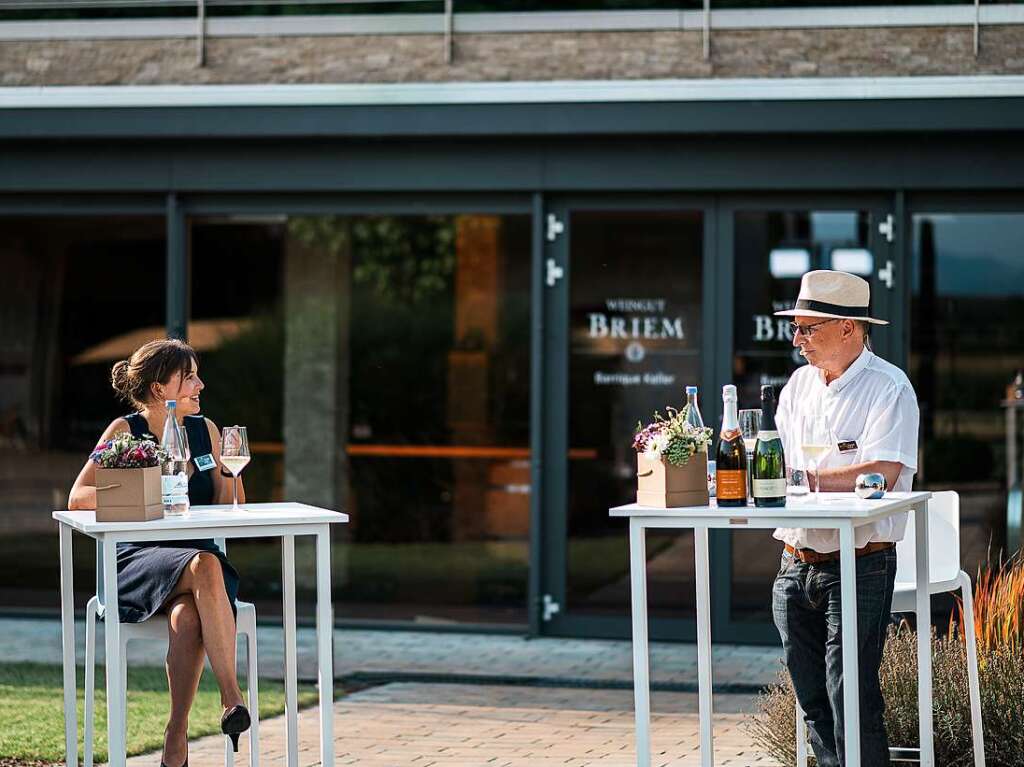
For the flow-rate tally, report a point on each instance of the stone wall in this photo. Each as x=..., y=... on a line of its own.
x=518, y=56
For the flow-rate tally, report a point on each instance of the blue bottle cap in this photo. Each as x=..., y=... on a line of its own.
x=691, y=389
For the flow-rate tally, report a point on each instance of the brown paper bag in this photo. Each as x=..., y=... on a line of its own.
x=664, y=486
x=128, y=495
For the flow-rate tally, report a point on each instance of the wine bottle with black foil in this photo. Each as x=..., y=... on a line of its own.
x=731, y=459
x=769, y=474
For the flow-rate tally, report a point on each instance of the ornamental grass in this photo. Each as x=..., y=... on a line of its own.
x=998, y=613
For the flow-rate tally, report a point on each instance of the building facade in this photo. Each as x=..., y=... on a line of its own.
x=441, y=277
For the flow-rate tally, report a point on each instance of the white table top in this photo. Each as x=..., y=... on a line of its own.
x=201, y=517
x=832, y=506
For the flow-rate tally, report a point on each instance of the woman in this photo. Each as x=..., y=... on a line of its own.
x=192, y=582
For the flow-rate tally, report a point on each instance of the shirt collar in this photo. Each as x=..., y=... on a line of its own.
x=850, y=373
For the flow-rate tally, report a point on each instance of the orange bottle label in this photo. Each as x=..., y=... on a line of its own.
x=731, y=484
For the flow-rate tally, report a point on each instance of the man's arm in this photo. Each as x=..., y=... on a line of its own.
x=841, y=479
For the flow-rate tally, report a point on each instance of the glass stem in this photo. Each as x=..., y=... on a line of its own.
x=750, y=479
x=817, y=487
x=234, y=492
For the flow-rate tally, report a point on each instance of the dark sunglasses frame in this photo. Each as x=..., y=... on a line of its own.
x=807, y=331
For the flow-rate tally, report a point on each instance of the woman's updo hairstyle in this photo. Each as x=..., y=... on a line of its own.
x=153, y=362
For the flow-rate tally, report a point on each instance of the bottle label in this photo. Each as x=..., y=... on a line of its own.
x=731, y=483
x=174, y=489
x=769, y=488
x=764, y=436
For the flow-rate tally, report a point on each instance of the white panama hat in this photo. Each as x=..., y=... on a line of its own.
x=833, y=295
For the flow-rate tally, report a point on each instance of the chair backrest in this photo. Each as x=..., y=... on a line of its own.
x=221, y=544
x=943, y=541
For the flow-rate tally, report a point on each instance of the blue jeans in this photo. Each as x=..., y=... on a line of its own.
x=807, y=612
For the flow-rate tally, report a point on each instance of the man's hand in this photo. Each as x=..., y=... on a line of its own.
x=841, y=480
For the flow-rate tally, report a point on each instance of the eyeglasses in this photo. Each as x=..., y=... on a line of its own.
x=808, y=330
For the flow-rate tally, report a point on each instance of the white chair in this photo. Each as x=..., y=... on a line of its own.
x=155, y=629
x=944, y=574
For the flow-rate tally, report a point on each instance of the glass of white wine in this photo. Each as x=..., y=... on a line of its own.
x=234, y=456
x=815, y=443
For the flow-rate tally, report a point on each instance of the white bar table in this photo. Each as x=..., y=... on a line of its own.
x=253, y=520
x=842, y=511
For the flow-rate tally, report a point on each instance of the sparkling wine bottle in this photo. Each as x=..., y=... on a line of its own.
x=769, y=480
x=731, y=459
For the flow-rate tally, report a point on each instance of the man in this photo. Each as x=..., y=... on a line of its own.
x=872, y=413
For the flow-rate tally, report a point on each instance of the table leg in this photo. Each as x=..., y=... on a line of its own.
x=67, y=625
x=641, y=681
x=291, y=694
x=924, y=636
x=115, y=681
x=324, y=650
x=707, y=749
x=851, y=669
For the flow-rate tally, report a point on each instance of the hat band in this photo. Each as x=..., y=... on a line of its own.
x=822, y=306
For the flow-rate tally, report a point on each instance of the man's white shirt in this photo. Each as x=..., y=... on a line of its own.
x=872, y=411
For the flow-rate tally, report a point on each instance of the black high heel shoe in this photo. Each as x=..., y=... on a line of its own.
x=234, y=722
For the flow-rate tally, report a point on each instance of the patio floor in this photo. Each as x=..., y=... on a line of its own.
x=457, y=725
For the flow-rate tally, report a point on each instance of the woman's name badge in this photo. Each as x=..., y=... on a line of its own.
x=205, y=462
x=849, y=446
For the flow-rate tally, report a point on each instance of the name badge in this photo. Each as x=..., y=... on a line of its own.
x=204, y=462
x=850, y=446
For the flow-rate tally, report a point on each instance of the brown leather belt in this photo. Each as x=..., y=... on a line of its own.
x=812, y=557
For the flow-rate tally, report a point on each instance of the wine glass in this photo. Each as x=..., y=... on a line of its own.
x=750, y=424
x=234, y=456
x=815, y=443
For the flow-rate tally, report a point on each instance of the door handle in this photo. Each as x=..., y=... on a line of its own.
x=555, y=227
x=885, y=274
x=887, y=227
x=554, y=272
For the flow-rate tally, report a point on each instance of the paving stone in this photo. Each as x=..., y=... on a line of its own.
x=485, y=656
x=491, y=726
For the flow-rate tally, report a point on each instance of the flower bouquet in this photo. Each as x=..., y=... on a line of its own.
x=672, y=461
x=128, y=479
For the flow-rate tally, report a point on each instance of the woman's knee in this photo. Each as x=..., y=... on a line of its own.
x=183, y=617
x=206, y=568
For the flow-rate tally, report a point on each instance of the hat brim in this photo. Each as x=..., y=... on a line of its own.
x=828, y=316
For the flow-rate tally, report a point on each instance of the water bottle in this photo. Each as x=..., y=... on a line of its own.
x=693, y=412
x=174, y=477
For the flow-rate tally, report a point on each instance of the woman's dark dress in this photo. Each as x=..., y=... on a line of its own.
x=147, y=573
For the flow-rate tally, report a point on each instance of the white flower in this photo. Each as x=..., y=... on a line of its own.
x=657, y=445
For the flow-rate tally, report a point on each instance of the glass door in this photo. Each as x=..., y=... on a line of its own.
x=386, y=367
x=766, y=245
x=966, y=350
x=624, y=312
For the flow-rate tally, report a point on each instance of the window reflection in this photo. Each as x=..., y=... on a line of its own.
x=967, y=338
x=635, y=313
x=78, y=295
x=387, y=360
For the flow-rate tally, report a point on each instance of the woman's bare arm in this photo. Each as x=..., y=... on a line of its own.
x=83, y=492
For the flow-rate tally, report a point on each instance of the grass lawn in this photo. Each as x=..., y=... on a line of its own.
x=32, y=711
